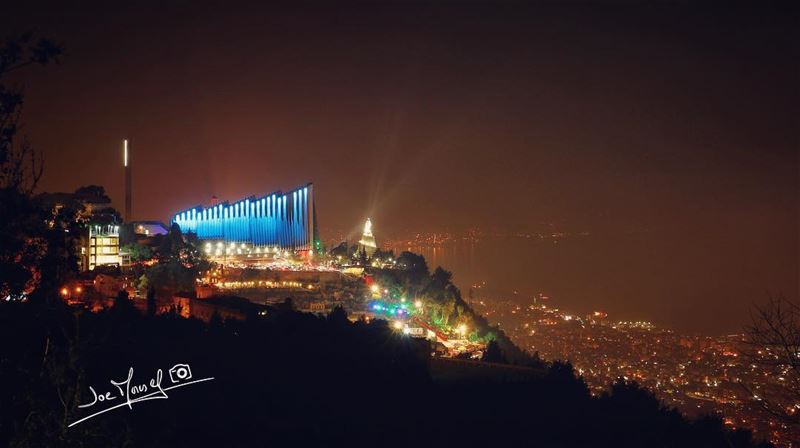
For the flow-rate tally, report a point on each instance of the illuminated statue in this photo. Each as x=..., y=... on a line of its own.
x=368, y=228
x=367, y=241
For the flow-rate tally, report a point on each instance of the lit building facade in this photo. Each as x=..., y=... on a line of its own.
x=97, y=241
x=149, y=228
x=277, y=221
x=103, y=246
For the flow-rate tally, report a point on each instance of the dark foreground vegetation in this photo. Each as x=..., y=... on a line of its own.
x=296, y=380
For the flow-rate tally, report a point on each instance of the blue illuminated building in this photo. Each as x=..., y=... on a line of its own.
x=278, y=220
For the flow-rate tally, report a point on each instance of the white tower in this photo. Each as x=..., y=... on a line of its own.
x=367, y=241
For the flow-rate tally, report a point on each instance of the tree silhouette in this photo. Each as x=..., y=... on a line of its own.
x=774, y=343
x=494, y=354
x=24, y=236
x=341, y=250
x=307, y=368
x=20, y=166
x=151, y=301
x=180, y=262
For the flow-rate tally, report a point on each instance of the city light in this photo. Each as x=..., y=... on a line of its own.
x=389, y=309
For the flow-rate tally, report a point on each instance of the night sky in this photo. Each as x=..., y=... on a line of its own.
x=676, y=126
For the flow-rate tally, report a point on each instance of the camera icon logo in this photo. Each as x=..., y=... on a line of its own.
x=180, y=372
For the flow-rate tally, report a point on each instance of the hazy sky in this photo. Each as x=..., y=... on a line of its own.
x=675, y=124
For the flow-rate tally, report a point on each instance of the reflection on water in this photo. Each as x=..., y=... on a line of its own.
x=500, y=266
x=633, y=276
x=580, y=273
